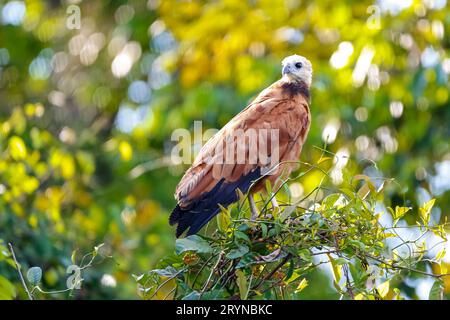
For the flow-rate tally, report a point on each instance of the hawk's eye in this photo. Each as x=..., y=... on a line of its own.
x=298, y=65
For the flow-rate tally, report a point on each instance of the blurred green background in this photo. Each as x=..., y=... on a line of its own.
x=86, y=115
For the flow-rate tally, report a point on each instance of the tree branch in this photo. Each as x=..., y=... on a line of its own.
x=19, y=269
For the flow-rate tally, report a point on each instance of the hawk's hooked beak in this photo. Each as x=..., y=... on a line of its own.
x=286, y=70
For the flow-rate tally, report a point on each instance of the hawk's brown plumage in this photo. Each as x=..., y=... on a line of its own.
x=206, y=184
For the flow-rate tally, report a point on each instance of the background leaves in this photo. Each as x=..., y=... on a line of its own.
x=86, y=117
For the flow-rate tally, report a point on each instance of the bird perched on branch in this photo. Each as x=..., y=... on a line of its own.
x=262, y=142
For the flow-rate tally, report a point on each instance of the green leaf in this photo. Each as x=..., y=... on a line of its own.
x=237, y=253
x=212, y=295
x=287, y=212
x=192, y=243
x=7, y=289
x=356, y=271
x=305, y=255
x=383, y=289
x=397, y=294
x=336, y=268
x=17, y=148
x=240, y=194
x=240, y=235
x=223, y=220
x=166, y=272
x=242, y=284
x=330, y=200
x=268, y=186
x=273, y=231
x=73, y=257
x=34, y=275
x=323, y=159
x=243, y=227
x=340, y=261
x=437, y=291
x=263, y=230
x=140, y=278
x=248, y=259
x=364, y=191
x=302, y=285
x=361, y=246
x=440, y=254
x=294, y=276
x=425, y=211
x=287, y=190
x=207, y=295
x=290, y=271
x=400, y=212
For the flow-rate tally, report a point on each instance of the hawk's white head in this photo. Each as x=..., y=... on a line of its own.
x=296, y=67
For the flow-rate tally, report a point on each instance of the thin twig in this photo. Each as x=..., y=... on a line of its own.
x=51, y=292
x=166, y=281
x=394, y=266
x=282, y=263
x=210, y=275
x=170, y=292
x=19, y=269
x=346, y=271
x=201, y=269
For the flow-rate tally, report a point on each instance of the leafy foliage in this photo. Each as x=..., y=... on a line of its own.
x=273, y=257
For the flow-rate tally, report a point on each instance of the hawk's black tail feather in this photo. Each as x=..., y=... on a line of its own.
x=204, y=208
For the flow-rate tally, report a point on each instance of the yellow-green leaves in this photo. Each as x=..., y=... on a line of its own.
x=383, y=289
x=302, y=285
x=223, y=219
x=287, y=212
x=67, y=166
x=400, y=212
x=242, y=284
x=63, y=162
x=425, y=211
x=34, y=109
x=17, y=148
x=192, y=243
x=30, y=184
x=337, y=270
x=125, y=150
x=366, y=188
x=440, y=254
x=437, y=290
x=238, y=252
x=7, y=289
x=73, y=257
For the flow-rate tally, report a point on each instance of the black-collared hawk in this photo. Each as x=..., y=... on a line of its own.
x=274, y=126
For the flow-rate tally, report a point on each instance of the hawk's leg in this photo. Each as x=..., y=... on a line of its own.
x=253, y=208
